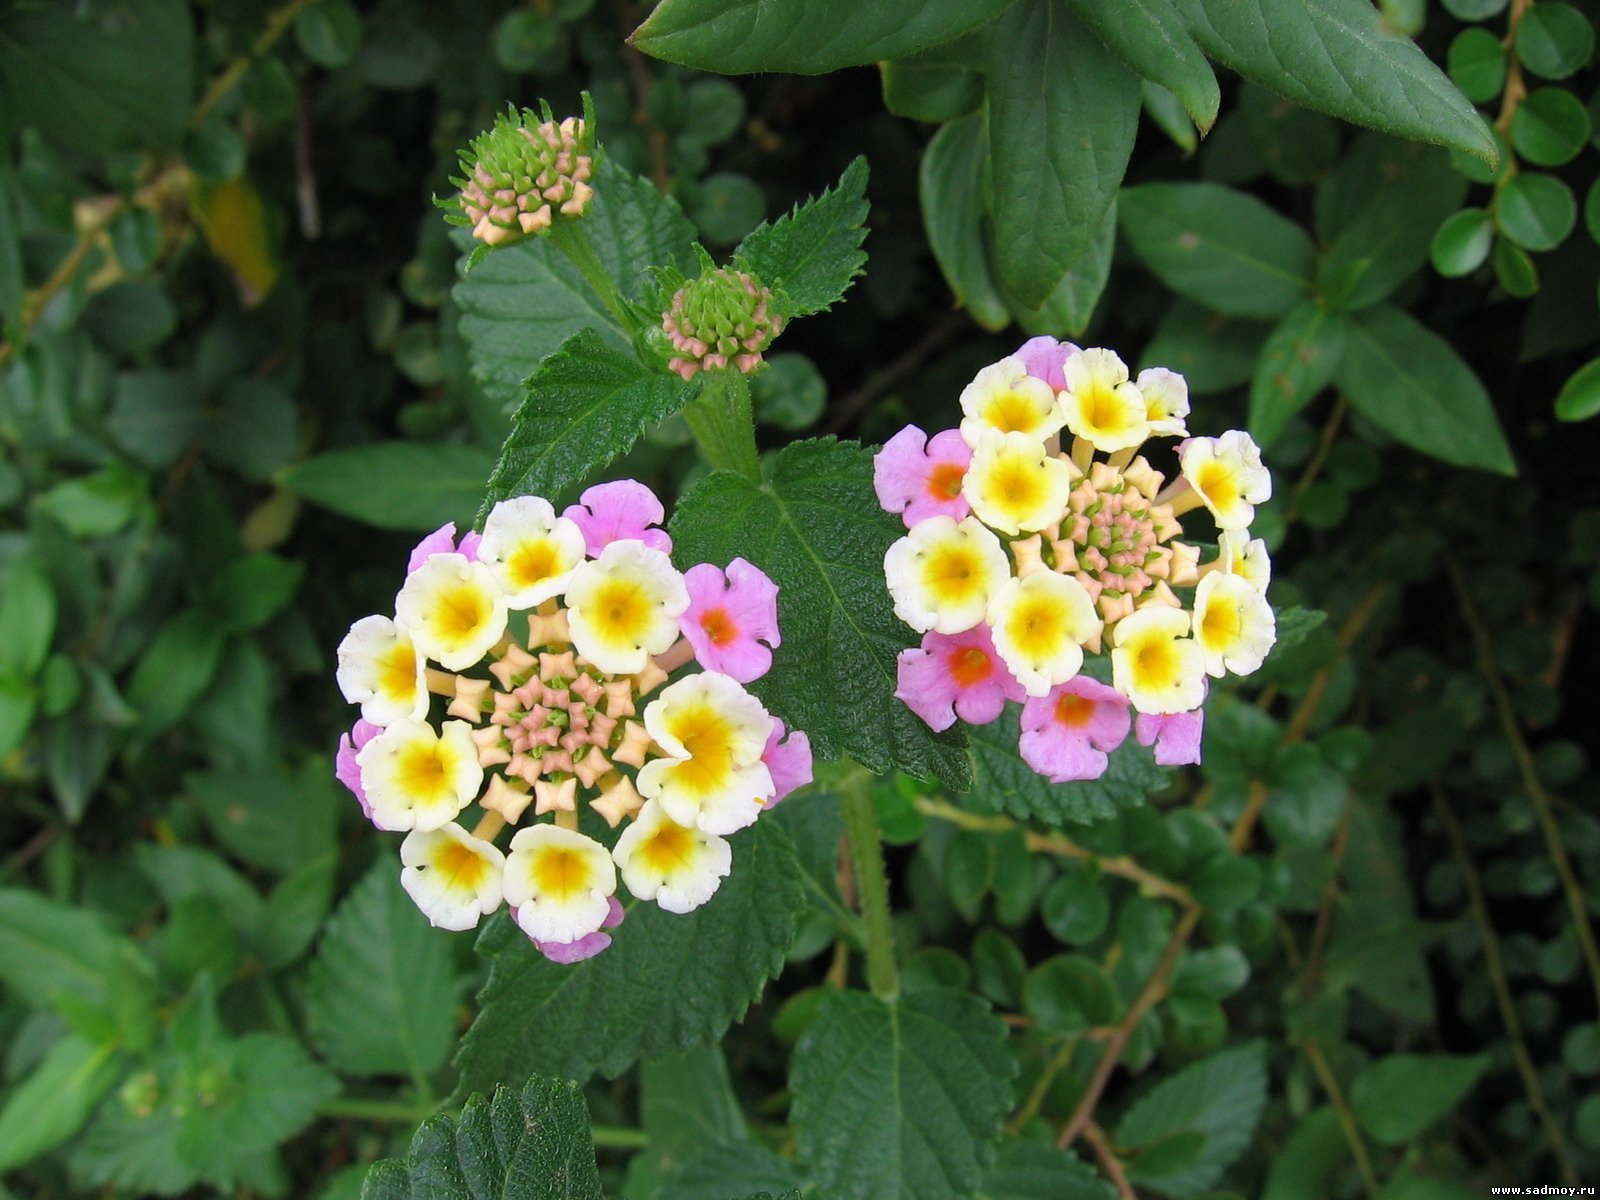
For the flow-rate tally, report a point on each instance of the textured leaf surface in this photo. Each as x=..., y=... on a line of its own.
x=1396, y=1098
x=1337, y=57
x=805, y=37
x=1070, y=306
x=1149, y=36
x=381, y=1000
x=1297, y=362
x=396, y=485
x=951, y=189
x=814, y=251
x=666, y=982
x=1003, y=780
x=1220, y=1098
x=1223, y=248
x=900, y=1100
x=730, y=1169
x=521, y=302
x=1063, y=111
x=1407, y=380
x=1025, y=1171
x=527, y=1145
x=585, y=405
x=816, y=528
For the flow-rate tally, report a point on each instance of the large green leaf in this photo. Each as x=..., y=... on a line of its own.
x=900, y=1100
x=1336, y=56
x=396, y=485
x=527, y=1145
x=521, y=302
x=382, y=994
x=1396, y=1098
x=99, y=78
x=1409, y=381
x=1149, y=36
x=586, y=405
x=727, y=1169
x=951, y=188
x=50, y=953
x=804, y=37
x=27, y=618
x=1219, y=1099
x=1297, y=362
x=52, y=1103
x=816, y=528
x=1070, y=305
x=1028, y=1171
x=1225, y=249
x=667, y=982
x=1003, y=781
x=1062, y=112
x=811, y=254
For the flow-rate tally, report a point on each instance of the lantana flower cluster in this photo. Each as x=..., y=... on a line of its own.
x=542, y=671
x=1039, y=531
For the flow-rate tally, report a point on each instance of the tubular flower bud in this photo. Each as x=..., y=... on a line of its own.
x=724, y=318
x=524, y=174
x=589, y=697
x=1048, y=556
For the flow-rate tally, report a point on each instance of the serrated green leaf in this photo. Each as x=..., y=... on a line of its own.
x=1223, y=248
x=1397, y=1097
x=667, y=981
x=382, y=994
x=585, y=406
x=1062, y=115
x=1297, y=362
x=728, y=1170
x=1149, y=36
x=811, y=254
x=1220, y=1098
x=802, y=37
x=686, y=1103
x=900, y=1099
x=1408, y=380
x=1336, y=56
x=950, y=184
x=528, y=1145
x=816, y=528
x=1026, y=1171
x=1004, y=781
x=412, y=486
x=523, y=301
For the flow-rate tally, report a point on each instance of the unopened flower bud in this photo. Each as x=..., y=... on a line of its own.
x=526, y=173
x=725, y=318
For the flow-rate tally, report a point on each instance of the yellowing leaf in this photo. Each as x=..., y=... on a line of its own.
x=233, y=219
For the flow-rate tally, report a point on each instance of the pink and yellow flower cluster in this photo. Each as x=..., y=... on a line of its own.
x=1022, y=554
x=559, y=649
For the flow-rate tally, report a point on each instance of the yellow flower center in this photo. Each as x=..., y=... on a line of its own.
x=953, y=573
x=532, y=562
x=462, y=611
x=397, y=670
x=1036, y=627
x=1221, y=622
x=1217, y=483
x=667, y=850
x=425, y=768
x=1155, y=662
x=460, y=867
x=1010, y=412
x=1104, y=411
x=621, y=609
x=560, y=873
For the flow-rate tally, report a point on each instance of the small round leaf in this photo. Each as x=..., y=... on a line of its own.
x=1463, y=242
x=1477, y=63
x=1475, y=10
x=1554, y=40
x=1580, y=395
x=329, y=32
x=1550, y=127
x=1536, y=211
x=1514, y=269
x=728, y=207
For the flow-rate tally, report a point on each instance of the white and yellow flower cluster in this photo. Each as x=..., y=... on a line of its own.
x=1050, y=552
x=542, y=640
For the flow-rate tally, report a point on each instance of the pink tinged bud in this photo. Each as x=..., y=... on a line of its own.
x=557, y=666
x=732, y=619
x=587, y=946
x=345, y=768
x=601, y=728
x=589, y=689
x=1044, y=358
x=546, y=736
x=620, y=511
x=1175, y=737
x=538, y=219
x=635, y=745
x=501, y=797
x=648, y=680
x=920, y=477
x=1068, y=733
x=471, y=698
x=1028, y=553
x=619, y=698
x=492, y=746
x=591, y=767
x=549, y=630
x=683, y=368
x=788, y=761
x=514, y=664
x=550, y=797
x=952, y=675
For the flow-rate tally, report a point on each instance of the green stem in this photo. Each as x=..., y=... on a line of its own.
x=720, y=419
x=356, y=1108
x=570, y=239
x=872, y=883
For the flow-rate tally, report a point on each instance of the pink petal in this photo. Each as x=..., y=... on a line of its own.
x=1176, y=737
x=1067, y=750
x=567, y=953
x=621, y=511
x=788, y=760
x=345, y=768
x=1044, y=358
x=468, y=549
x=441, y=541
x=730, y=615
x=911, y=474
x=947, y=678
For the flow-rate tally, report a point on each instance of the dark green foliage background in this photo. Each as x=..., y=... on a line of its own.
x=239, y=376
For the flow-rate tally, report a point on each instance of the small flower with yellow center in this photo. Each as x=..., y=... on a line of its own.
x=1166, y=399
x=380, y=669
x=714, y=734
x=1240, y=554
x=1233, y=624
x=1101, y=404
x=454, y=878
x=943, y=573
x=454, y=610
x=624, y=606
x=1015, y=485
x=677, y=866
x=1226, y=475
x=558, y=883
x=1156, y=664
x=531, y=552
x=416, y=777
x=1040, y=624
x=1004, y=398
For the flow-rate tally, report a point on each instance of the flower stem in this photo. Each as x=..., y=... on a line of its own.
x=872, y=883
x=570, y=239
x=720, y=418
